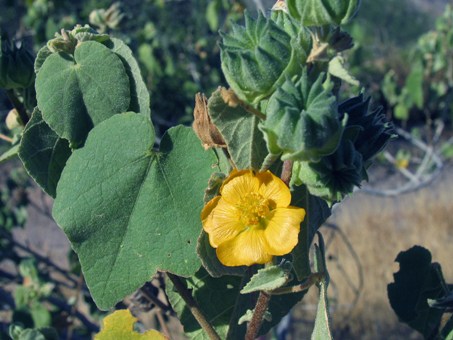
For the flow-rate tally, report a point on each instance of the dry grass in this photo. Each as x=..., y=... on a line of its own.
x=378, y=229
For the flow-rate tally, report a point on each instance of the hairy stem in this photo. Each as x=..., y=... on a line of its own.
x=287, y=171
x=193, y=306
x=258, y=315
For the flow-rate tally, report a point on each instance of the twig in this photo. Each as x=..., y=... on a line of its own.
x=154, y=300
x=193, y=306
x=18, y=106
x=6, y=138
x=310, y=281
x=39, y=257
x=258, y=315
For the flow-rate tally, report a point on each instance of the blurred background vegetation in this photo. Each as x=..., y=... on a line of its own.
x=403, y=57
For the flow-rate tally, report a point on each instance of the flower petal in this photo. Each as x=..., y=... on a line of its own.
x=223, y=222
x=283, y=229
x=238, y=185
x=273, y=188
x=246, y=249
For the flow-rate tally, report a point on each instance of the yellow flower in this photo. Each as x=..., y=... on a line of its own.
x=251, y=220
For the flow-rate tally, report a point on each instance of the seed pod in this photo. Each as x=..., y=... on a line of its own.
x=334, y=176
x=302, y=121
x=323, y=12
x=258, y=57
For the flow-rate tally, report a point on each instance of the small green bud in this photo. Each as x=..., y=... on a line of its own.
x=302, y=121
x=323, y=12
x=257, y=58
x=66, y=41
x=12, y=120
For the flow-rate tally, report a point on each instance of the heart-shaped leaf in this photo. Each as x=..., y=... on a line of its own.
x=136, y=211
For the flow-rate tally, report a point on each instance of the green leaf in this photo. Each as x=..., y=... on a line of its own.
x=322, y=329
x=401, y=112
x=41, y=56
x=417, y=281
x=212, y=15
x=414, y=84
x=76, y=93
x=139, y=92
x=337, y=69
x=126, y=207
x=268, y=278
x=239, y=129
x=43, y=153
x=317, y=212
x=41, y=316
x=10, y=153
x=216, y=298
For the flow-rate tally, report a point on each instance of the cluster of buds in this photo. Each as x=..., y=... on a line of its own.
x=286, y=70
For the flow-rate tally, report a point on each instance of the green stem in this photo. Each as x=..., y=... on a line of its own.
x=18, y=106
x=268, y=161
x=258, y=316
x=193, y=306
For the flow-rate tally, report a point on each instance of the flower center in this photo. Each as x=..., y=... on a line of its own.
x=253, y=208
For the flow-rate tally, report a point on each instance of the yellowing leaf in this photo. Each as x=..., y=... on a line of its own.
x=120, y=325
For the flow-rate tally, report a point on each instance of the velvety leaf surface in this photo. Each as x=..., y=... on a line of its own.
x=137, y=211
x=268, y=278
x=139, y=92
x=239, y=129
x=317, y=213
x=76, y=93
x=43, y=153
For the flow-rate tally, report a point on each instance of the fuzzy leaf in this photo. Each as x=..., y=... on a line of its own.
x=139, y=91
x=268, y=278
x=322, y=329
x=43, y=153
x=134, y=209
x=239, y=129
x=76, y=93
x=337, y=69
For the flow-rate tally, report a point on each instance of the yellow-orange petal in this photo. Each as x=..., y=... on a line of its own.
x=273, y=188
x=238, y=185
x=206, y=213
x=246, y=249
x=223, y=223
x=282, y=230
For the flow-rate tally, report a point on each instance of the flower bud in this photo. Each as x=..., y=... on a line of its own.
x=302, y=120
x=12, y=120
x=66, y=41
x=323, y=12
x=257, y=58
x=374, y=132
x=16, y=66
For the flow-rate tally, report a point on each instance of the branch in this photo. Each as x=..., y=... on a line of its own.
x=258, y=316
x=193, y=306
